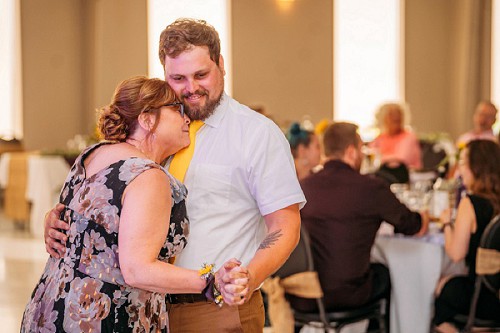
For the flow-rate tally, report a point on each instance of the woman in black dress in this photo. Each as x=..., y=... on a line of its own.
x=479, y=166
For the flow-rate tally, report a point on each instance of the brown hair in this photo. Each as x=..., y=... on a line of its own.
x=132, y=97
x=484, y=162
x=185, y=33
x=339, y=136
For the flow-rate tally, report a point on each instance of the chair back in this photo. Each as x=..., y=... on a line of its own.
x=490, y=240
x=432, y=155
x=300, y=259
x=393, y=172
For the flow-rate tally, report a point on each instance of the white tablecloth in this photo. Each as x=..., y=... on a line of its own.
x=4, y=169
x=46, y=175
x=415, y=266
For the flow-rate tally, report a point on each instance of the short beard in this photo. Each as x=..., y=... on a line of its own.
x=202, y=113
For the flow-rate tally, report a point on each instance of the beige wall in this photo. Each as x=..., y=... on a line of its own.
x=282, y=59
x=447, y=62
x=428, y=62
x=74, y=54
x=52, y=71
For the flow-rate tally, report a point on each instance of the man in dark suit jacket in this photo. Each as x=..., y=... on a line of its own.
x=343, y=213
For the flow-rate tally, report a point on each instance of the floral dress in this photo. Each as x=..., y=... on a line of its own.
x=85, y=291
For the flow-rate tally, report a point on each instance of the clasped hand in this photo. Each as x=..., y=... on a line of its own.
x=232, y=281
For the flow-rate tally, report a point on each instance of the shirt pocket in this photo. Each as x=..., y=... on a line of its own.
x=211, y=187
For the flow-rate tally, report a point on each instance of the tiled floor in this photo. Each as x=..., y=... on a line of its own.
x=22, y=259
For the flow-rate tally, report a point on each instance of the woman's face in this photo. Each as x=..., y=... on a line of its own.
x=393, y=121
x=173, y=129
x=313, y=151
x=464, y=169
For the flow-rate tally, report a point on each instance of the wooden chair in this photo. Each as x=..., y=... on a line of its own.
x=301, y=261
x=487, y=276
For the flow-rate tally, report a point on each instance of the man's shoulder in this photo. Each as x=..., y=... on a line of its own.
x=251, y=125
x=348, y=177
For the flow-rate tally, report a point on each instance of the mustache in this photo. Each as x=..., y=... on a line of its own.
x=197, y=92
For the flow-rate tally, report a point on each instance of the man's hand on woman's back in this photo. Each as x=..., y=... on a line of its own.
x=55, y=239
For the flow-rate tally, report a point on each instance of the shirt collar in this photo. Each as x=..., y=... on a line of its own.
x=215, y=119
x=337, y=164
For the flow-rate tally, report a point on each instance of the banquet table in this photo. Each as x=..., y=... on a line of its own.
x=46, y=175
x=415, y=265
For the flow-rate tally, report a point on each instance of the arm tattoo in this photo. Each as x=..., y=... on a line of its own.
x=270, y=239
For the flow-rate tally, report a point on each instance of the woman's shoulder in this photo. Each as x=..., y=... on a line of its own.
x=134, y=165
x=179, y=190
x=482, y=206
x=478, y=200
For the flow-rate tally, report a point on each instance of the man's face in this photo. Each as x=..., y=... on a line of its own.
x=197, y=81
x=358, y=159
x=484, y=117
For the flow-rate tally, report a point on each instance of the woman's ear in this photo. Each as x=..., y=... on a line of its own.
x=146, y=121
x=301, y=150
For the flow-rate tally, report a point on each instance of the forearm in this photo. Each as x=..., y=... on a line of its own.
x=449, y=244
x=282, y=238
x=162, y=277
x=409, y=224
x=456, y=236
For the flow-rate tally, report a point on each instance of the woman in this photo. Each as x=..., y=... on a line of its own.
x=479, y=166
x=306, y=149
x=395, y=144
x=118, y=200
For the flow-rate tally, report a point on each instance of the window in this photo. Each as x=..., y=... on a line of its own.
x=215, y=12
x=495, y=60
x=367, y=59
x=10, y=70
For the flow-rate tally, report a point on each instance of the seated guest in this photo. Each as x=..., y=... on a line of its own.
x=479, y=166
x=343, y=213
x=395, y=144
x=484, y=117
x=305, y=148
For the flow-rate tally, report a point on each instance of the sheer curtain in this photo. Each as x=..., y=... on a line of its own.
x=472, y=78
x=10, y=70
x=368, y=53
x=495, y=59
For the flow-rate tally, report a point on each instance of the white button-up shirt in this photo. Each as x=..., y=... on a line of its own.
x=241, y=170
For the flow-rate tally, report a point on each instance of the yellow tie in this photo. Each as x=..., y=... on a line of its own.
x=180, y=161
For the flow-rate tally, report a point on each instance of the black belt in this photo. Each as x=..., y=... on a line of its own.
x=185, y=298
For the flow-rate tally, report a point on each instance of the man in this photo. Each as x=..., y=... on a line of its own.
x=484, y=117
x=244, y=197
x=342, y=216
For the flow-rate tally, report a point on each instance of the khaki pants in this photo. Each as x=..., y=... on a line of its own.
x=208, y=317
